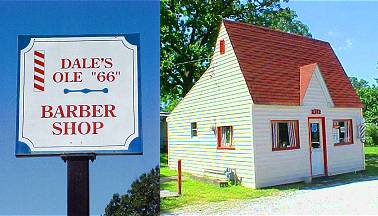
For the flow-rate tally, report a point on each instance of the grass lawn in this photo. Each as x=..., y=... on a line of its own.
x=371, y=161
x=371, y=151
x=196, y=192
x=164, y=170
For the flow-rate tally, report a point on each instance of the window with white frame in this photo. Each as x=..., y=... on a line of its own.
x=285, y=134
x=225, y=135
x=343, y=131
x=193, y=129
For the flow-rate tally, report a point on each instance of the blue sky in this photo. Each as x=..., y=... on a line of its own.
x=38, y=185
x=351, y=29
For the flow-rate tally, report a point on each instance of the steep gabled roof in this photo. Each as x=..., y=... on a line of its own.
x=305, y=74
x=271, y=62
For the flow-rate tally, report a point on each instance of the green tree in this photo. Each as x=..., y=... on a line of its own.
x=188, y=31
x=358, y=83
x=368, y=94
x=143, y=198
x=371, y=134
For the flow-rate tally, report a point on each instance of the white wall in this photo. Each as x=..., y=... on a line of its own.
x=278, y=167
x=220, y=97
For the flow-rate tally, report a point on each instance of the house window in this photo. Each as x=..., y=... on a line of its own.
x=225, y=136
x=285, y=135
x=343, y=131
x=193, y=129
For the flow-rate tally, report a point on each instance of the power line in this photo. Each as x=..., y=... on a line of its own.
x=181, y=63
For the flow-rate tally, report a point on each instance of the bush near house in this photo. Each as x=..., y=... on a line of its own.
x=371, y=135
x=368, y=93
x=196, y=192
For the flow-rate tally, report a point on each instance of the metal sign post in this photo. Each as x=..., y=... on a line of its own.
x=78, y=183
x=179, y=176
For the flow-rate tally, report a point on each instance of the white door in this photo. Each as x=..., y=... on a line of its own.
x=317, y=160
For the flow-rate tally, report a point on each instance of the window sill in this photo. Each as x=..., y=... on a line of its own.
x=225, y=148
x=284, y=149
x=342, y=144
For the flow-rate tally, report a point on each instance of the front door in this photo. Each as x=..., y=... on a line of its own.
x=317, y=159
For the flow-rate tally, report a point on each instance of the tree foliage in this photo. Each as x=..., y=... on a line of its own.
x=188, y=31
x=368, y=94
x=143, y=198
x=371, y=135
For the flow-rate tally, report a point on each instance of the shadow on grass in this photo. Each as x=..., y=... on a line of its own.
x=163, y=159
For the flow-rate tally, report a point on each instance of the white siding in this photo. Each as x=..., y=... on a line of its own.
x=219, y=98
x=278, y=167
x=344, y=158
x=317, y=94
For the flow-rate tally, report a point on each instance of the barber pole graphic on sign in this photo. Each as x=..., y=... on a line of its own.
x=39, y=70
x=78, y=95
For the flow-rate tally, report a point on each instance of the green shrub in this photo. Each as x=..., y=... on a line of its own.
x=143, y=198
x=371, y=134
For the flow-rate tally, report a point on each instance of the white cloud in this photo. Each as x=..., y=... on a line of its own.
x=347, y=45
x=330, y=33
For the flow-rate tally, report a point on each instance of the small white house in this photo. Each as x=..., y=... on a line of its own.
x=274, y=107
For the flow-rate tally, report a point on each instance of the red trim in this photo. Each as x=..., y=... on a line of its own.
x=218, y=137
x=283, y=149
x=225, y=148
x=324, y=140
x=309, y=142
x=297, y=135
x=342, y=144
x=351, y=132
x=219, y=145
x=222, y=48
x=324, y=136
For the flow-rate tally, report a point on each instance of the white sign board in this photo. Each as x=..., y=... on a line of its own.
x=78, y=95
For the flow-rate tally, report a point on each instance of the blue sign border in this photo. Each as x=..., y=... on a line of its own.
x=135, y=147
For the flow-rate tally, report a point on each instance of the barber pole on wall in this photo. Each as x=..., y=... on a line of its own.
x=361, y=131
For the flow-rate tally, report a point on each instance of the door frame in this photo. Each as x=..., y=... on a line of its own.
x=324, y=142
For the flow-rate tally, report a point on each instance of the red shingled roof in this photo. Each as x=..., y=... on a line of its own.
x=271, y=60
x=305, y=74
